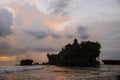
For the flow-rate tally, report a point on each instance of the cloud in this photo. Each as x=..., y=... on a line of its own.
x=12, y=51
x=3, y=2
x=4, y=45
x=69, y=36
x=39, y=29
x=6, y=19
x=43, y=34
x=49, y=49
x=59, y=7
x=35, y=26
x=56, y=35
x=32, y=29
x=82, y=32
x=34, y=22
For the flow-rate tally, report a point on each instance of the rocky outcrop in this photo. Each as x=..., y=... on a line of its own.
x=111, y=62
x=26, y=62
x=84, y=54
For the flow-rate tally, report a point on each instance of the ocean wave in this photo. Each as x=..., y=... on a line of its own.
x=4, y=70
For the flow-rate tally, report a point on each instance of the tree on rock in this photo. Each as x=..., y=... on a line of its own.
x=76, y=54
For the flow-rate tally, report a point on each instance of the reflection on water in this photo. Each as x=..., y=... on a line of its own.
x=85, y=73
x=105, y=72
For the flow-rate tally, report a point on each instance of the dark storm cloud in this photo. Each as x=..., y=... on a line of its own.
x=59, y=7
x=43, y=49
x=6, y=19
x=40, y=34
x=55, y=35
x=12, y=51
x=43, y=34
x=82, y=32
x=4, y=45
x=118, y=1
x=69, y=36
x=7, y=49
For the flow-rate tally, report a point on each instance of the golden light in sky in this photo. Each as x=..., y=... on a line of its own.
x=3, y=57
x=54, y=24
x=50, y=37
x=7, y=58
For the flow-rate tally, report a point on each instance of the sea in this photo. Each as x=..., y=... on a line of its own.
x=10, y=71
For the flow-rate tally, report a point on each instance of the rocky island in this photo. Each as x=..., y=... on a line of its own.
x=111, y=62
x=84, y=54
x=26, y=62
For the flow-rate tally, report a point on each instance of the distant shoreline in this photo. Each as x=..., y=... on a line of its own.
x=111, y=62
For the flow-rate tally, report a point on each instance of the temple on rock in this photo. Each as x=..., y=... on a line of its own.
x=84, y=54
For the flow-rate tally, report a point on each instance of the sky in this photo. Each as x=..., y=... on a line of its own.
x=33, y=28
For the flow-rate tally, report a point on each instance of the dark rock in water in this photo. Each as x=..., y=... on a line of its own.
x=44, y=63
x=84, y=54
x=36, y=63
x=26, y=62
x=111, y=62
x=118, y=77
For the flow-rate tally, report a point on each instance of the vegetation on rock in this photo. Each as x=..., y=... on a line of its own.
x=84, y=54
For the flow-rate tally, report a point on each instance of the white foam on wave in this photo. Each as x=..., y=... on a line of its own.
x=4, y=70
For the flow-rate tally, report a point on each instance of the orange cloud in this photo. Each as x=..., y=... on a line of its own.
x=50, y=37
x=31, y=14
x=7, y=58
x=56, y=22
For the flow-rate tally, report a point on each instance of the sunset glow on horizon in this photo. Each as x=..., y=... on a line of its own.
x=7, y=58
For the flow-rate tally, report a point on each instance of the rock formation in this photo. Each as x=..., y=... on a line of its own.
x=84, y=54
x=111, y=62
x=26, y=62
